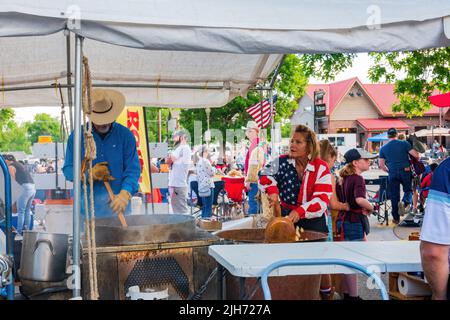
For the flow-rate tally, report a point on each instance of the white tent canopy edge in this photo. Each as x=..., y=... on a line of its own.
x=399, y=25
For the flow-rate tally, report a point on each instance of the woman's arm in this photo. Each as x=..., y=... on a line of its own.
x=12, y=172
x=268, y=178
x=209, y=168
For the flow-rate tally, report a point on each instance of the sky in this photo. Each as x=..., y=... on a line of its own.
x=359, y=69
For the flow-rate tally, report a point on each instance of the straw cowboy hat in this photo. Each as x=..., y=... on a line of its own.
x=107, y=105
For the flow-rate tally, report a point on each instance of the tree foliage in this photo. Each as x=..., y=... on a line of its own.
x=289, y=86
x=326, y=66
x=416, y=74
x=43, y=125
x=12, y=136
x=152, y=123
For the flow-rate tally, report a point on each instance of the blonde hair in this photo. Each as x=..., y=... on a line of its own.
x=327, y=151
x=348, y=170
x=311, y=140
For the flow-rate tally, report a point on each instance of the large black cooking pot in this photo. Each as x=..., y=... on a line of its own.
x=142, y=229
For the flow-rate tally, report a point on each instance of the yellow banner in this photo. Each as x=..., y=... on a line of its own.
x=133, y=119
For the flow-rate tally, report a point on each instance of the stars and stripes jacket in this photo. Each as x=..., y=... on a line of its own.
x=309, y=197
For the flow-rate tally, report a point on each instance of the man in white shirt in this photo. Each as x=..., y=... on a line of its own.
x=179, y=160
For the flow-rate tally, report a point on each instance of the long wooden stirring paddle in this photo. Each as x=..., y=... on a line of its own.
x=123, y=222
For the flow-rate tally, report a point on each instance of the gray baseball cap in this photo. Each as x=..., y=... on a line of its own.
x=358, y=153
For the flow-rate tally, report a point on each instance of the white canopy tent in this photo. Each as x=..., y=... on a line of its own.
x=191, y=44
x=210, y=52
x=436, y=131
x=159, y=78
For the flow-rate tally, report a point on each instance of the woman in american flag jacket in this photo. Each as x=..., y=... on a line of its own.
x=300, y=181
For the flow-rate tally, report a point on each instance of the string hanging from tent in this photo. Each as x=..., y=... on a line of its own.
x=89, y=155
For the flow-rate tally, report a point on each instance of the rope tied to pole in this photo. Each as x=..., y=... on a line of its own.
x=90, y=153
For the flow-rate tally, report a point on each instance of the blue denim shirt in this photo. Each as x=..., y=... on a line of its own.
x=119, y=149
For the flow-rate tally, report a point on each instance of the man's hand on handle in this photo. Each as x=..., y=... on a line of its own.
x=100, y=172
x=120, y=202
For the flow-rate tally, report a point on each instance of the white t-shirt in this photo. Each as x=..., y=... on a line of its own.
x=180, y=167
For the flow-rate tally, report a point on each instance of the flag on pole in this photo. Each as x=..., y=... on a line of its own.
x=257, y=111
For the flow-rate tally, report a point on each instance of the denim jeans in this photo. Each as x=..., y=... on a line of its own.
x=207, y=205
x=397, y=177
x=24, y=206
x=353, y=231
x=252, y=203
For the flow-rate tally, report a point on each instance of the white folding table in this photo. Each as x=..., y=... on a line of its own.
x=249, y=260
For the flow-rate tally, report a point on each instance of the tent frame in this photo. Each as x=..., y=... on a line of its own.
x=77, y=141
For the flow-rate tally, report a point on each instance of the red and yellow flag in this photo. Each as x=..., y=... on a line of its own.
x=133, y=119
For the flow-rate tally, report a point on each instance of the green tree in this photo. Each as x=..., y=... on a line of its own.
x=416, y=74
x=12, y=136
x=43, y=124
x=152, y=123
x=326, y=66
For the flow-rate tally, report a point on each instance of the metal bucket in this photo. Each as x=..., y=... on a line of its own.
x=142, y=229
x=43, y=256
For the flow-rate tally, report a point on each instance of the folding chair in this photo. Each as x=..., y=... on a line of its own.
x=195, y=202
x=235, y=192
x=379, y=198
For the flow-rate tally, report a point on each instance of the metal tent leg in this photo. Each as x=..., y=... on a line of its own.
x=77, y=167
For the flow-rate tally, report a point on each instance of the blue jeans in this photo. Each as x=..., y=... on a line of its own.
x=24, y=207
x=397, y=177
x=207, y=205
x=252, y=203
x=353, y=231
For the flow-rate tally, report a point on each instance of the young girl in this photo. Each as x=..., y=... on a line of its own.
x=329, y=154
x=350, y=223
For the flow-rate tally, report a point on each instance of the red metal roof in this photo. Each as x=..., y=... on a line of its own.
x=382, y=124
x=382, y=94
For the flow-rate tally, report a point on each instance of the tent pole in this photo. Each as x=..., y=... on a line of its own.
x=69, y=82
x=272, y=124
x=275, y=74
x=77, y=167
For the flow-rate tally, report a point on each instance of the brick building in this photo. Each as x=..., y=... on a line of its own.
x=363, y=109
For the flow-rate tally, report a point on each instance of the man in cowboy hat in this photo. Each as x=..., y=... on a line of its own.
x=252, y=133
x=116, y=155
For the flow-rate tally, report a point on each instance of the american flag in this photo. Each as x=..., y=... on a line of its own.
x=255, y=112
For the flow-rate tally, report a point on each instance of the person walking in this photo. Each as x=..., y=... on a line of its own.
x=394, y=159
x=179, y=160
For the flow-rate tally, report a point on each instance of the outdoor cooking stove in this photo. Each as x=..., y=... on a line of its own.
x=156, y=252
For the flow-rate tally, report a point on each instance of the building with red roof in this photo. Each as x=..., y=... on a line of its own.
x=362, y=109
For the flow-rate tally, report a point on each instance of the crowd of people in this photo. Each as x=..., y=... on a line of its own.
x=304, y=183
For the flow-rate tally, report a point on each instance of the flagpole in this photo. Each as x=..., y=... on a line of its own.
x=272, y=124
x=261, y=107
